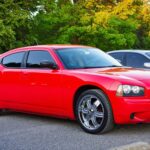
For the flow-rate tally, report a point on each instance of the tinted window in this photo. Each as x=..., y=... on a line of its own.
x=136, y=60
x=119, y=56
x=148, y=54
x=36, y=57
x=78, y=58
x=13, y=60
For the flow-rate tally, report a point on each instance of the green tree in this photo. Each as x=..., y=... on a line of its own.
x=16, y=23
x=105, y=24
x=111, y=24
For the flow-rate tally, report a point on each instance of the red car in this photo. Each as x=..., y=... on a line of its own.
x=74, y=82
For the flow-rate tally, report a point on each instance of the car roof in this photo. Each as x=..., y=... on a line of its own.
x=53, y=46
x=130, y=50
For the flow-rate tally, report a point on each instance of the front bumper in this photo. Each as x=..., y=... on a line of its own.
x=131, y=110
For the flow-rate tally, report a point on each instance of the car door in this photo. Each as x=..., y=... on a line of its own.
x=136, y=60
x=42, y=86
x=11, y=77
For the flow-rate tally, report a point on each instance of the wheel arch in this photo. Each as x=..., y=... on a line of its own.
x=84, y=88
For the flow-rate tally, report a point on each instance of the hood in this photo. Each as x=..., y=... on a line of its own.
x=122, y=72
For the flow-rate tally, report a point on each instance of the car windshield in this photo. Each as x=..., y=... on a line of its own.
x=82, y=58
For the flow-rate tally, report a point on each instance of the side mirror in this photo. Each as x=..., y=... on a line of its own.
x=147, y=64
x=48, y=64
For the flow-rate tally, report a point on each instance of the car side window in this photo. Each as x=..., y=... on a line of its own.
x=118, y=56
x=36, y=57
x=13, y=60
x=135, y=60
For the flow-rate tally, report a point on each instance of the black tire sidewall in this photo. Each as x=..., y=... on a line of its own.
x=104, y=101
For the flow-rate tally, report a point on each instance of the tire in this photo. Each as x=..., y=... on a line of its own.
x=1, y=112
x=93, y=112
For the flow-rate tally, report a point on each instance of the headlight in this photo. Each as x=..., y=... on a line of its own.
x=129, y=90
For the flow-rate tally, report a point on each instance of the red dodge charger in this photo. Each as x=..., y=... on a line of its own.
x=74, y=82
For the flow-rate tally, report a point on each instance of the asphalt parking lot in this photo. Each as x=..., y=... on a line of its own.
x=30, y=132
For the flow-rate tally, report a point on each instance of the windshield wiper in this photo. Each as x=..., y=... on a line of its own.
x=88, y=67
x=112, y=66
x=101, y=67
x=91, y=67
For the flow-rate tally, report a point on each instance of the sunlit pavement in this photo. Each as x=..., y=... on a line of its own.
x=30, y=132
x=134, y=146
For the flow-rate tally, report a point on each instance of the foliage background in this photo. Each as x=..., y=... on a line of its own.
x=107, y=24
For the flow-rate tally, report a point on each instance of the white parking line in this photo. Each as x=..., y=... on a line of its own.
x=134, y=146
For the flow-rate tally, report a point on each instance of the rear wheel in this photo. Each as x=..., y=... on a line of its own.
x=93, y=111
x=1, y=111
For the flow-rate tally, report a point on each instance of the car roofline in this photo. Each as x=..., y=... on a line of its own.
x=50, y=46
x=53, y=46
x=130, y=51
x=142, y=52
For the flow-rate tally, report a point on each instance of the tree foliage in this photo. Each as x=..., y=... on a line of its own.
x=16, y=23
x=107, y=24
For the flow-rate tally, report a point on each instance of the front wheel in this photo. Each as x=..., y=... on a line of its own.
x=93, y=112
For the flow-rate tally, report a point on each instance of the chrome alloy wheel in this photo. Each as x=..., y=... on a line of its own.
x=91, y=112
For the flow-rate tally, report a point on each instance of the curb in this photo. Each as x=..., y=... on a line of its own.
x=134, y=146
